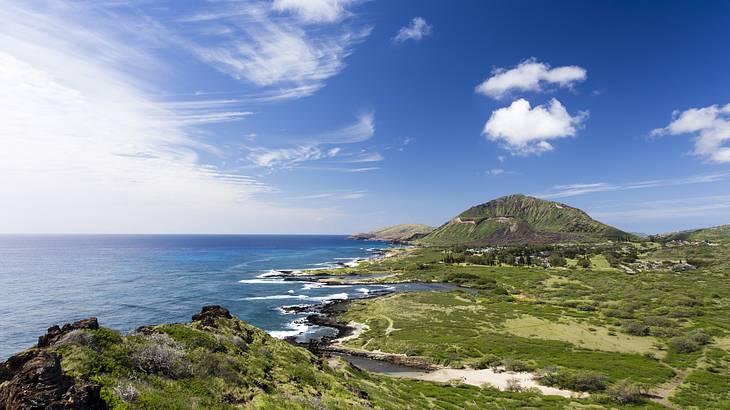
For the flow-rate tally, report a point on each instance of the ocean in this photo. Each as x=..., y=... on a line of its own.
x=132, y=280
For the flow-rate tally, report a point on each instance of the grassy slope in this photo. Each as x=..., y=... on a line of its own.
x=235, y=365
x=523, y=219
x=402, y=232
x=716, y=233
x=460, y=328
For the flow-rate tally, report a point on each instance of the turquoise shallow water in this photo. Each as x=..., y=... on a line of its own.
x=133, y=280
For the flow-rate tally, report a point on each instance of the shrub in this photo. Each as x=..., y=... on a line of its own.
x=158, y=353
x=79, y=337
x=636, y=329
x=513, y=385
x=584, y=262
x=700, y=337
x=684, y=344
x=625, y=392
x=126, y=392
x=587, y=381
x=556, y=260
x=487, y=362
x=514, y=365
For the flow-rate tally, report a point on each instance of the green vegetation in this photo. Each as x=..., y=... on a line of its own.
x=519, y=219
x=226, y=363
x=396, y=233
x=620, y=321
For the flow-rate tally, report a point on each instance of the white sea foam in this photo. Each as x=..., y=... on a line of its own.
x=363, y=290
x=269, y=273
x=313, y=285
x=296, y=327
x=271, y=297
x=330, y=297
x=262, y=281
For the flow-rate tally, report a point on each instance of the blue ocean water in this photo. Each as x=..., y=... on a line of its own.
x=132, y=280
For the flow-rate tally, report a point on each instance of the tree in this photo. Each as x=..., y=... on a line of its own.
x=584, y=262
x=556, y=260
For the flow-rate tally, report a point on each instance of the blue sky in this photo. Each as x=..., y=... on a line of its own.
x=333, y=116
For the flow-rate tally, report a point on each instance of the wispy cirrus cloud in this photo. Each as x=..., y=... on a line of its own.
x=334, y=196
x=87, y=147
x=570, y=190
x=316, y=11
x=529, y=75
x=416, y=31
x=260, y=43
x=710, y=124
x=324, y=146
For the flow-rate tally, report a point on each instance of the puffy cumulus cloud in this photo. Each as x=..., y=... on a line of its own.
x=711, y=125
x=417, y=30
x=525, y=130
x=529, y=75
x=315, y=10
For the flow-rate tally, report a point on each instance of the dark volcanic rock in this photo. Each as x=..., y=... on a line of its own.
x=209, y=314
x=34, y=380
x=55, y=332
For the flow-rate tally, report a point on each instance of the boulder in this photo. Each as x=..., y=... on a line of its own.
x=34, y=380
x=208, y=315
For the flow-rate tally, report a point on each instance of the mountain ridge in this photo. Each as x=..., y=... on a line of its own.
x=396, y=233
x=521, y=219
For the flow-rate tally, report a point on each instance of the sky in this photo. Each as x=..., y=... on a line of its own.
x=337, y=116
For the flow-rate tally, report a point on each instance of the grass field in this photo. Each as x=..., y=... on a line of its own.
x=622, y=325
x=583, y=335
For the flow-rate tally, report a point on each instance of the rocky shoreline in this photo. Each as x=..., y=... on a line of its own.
x=328, y=314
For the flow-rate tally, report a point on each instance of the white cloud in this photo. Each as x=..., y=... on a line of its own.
x=417, y=30
x=334, y=195
x=529, y=75
x=315, y=10
x=288, y=58
x=525, y=130
x=86, y=149
x=315, y=147
x=570, y=190
x=496, y=171
x=710, y=124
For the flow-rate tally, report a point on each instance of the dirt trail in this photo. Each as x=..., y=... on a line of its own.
x=662, y=393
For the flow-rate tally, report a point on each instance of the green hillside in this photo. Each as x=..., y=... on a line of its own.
x=396, y=233
x=520, y=219
x=715, y=234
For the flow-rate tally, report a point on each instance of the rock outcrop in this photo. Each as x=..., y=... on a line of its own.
x=208, y=315
x=34, y=379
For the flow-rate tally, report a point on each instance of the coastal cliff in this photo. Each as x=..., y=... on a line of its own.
x=215, y=361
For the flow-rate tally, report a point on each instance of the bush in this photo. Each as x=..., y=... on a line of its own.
x=513, y=385
x=556, y=260
x=514, y=365
x=487, y=362
x=691, y=342
x=126, y=392
x=584, y=262
x=625, y=392
x=158, y=353
x=79, y=337
x=684, y=344
x=700, y=337
x=587, y=381
x=636, y=329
